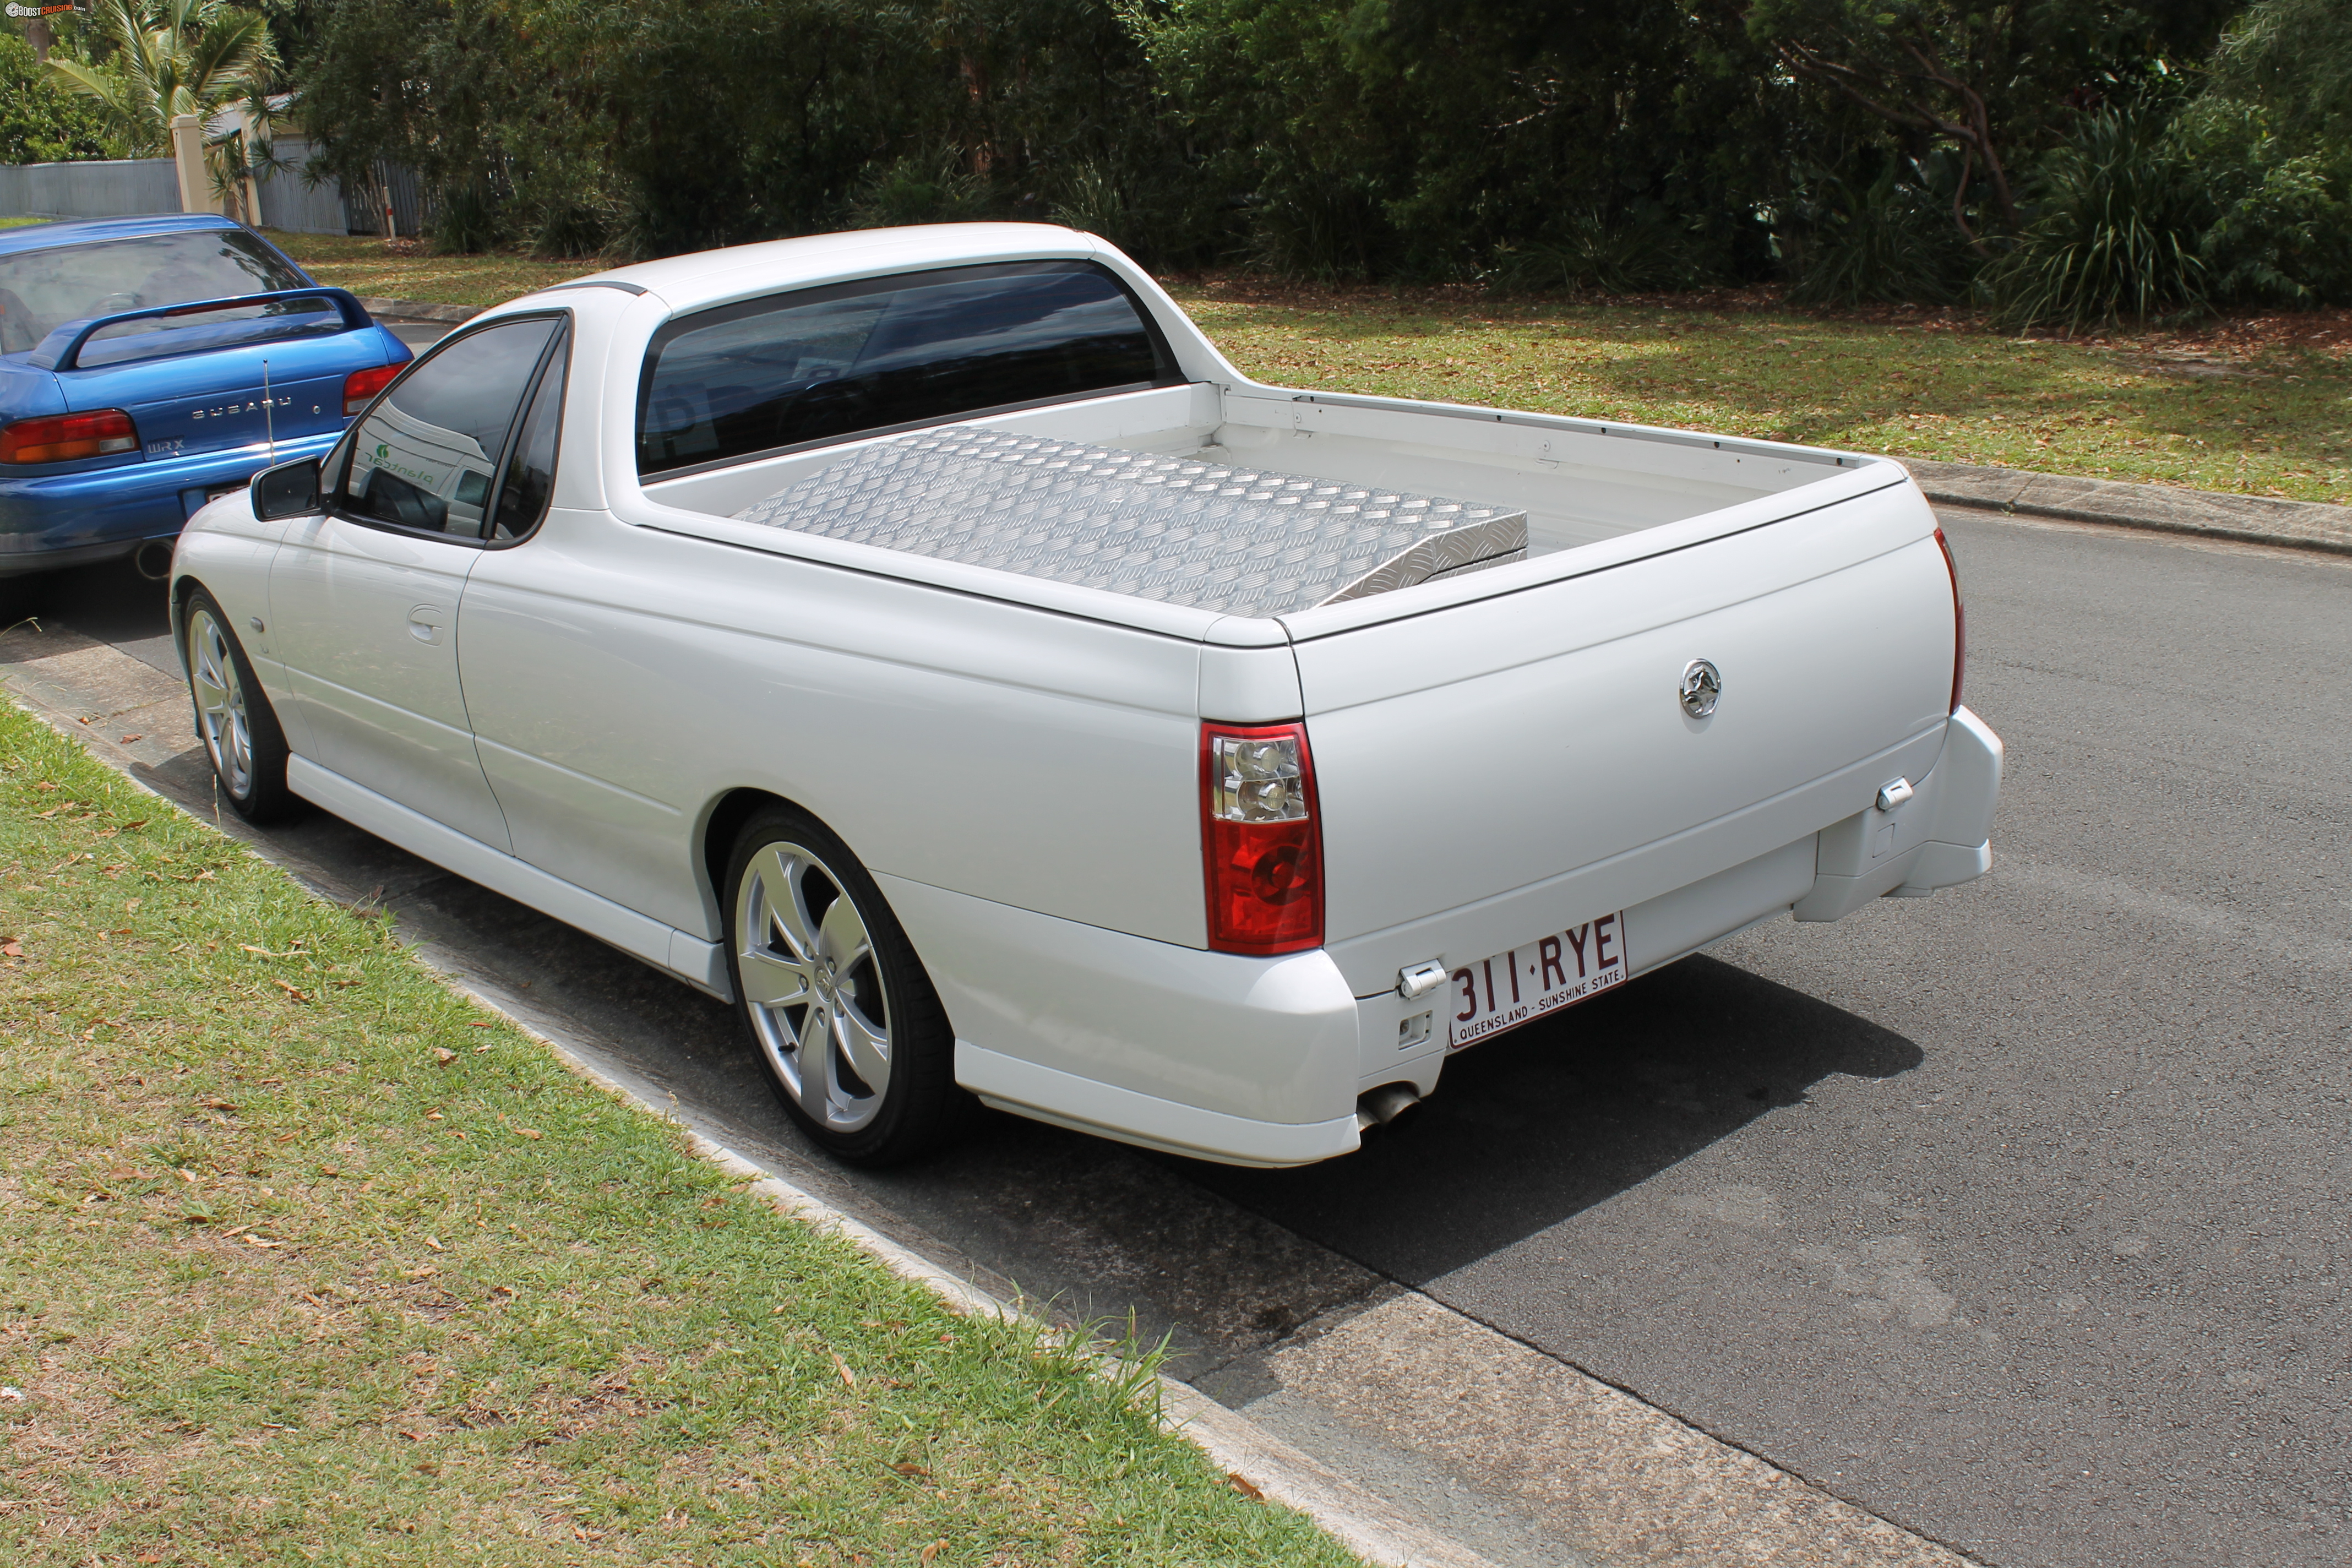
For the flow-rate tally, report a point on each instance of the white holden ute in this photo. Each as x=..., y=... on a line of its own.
x=927, y=640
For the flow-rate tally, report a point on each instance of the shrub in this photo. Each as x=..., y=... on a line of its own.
x=1891, y=242
x=1642, y=253
x=40, y=123
x=2119, y=217
x=920, y=187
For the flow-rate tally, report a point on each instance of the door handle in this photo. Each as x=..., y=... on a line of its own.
x=425, y=623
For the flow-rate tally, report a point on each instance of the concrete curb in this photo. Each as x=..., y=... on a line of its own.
x=1366, y=1525
x=2254, y=520
x=418, y=311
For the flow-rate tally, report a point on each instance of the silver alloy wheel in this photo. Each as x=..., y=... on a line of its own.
x=220, y=703
x=806, y=964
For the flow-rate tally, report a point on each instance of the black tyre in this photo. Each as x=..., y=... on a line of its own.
x=234, y=719
x=856, y=1042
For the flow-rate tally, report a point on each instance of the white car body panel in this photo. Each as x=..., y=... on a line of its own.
x=1499, y=753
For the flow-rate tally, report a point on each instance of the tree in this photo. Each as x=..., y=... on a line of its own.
x=169, y=57
x=1990, y=79
x=2293, y=57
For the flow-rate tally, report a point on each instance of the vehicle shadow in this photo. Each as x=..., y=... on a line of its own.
x=1562, y=1115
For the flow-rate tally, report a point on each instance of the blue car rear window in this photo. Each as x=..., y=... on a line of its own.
x=40, y=290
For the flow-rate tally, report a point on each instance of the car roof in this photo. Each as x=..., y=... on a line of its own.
x=91, y=230
x=710, y=276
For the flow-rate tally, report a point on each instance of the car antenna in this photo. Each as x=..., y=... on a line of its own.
x=269, y=415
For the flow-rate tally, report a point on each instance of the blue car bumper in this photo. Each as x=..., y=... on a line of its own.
x=50, y=521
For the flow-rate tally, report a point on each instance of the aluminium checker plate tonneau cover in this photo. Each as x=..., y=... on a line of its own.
x=1184, y=531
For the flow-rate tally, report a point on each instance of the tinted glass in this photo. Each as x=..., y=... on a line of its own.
x=827, y=362
x=425, y=455
x=42, y=289
x=531, y=470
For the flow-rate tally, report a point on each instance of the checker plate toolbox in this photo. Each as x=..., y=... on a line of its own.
x=1184, y=531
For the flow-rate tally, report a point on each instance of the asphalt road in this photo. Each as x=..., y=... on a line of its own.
x=2016, y=1215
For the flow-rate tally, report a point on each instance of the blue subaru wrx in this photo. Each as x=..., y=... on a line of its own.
x=148, y=364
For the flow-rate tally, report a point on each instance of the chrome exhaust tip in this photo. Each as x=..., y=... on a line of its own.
x=1384, y=1105
x=153, y=560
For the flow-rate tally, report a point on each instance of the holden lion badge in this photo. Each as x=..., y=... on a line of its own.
x=1702, y=686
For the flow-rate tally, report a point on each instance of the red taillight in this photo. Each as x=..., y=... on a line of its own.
x=1959, y=620
x=1262, y=848
x=65, y=437
x=363, y=384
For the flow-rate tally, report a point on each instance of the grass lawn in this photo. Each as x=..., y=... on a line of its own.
x=2157, y=408
x=2219, y=409
x=368, y=267
x=308, y=1259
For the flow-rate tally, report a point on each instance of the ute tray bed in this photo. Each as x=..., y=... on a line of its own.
x=1184, y=531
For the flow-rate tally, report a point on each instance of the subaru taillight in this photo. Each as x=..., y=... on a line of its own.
x=64, y=437
x=363, y=384
x=1263, y=849
x=1959, y=620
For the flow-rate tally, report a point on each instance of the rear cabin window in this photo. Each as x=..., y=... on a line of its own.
x=887, y=354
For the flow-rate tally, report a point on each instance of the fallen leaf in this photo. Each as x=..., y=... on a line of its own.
x=141, y=822
x=128, y=739
x=257, y=1241
x=11, y=947
x=435, y=1243
x=927, y=1552
x=264, y=952
x=216, y=1105
x=46, y=785
x=133, y=907
x=330, y=1171
x=908, y=1468
x=1243, y=1486
x=425, y=1273
x=240, y=1230
x=840, y=1366
x=52, y=811
x=290, y=992
x=473, y=1026
x=286, y=1137
x=480, y=1048
x=533, y=1133
x=444, y=1057
x=188, y=1176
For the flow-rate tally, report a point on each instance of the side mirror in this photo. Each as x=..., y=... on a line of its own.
x=290, y=490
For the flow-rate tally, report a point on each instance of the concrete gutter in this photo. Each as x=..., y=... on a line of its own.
x=2254, y=520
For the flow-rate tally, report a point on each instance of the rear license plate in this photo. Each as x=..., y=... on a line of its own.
x=1524, y=984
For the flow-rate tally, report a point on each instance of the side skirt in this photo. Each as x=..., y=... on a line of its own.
x=700, y=963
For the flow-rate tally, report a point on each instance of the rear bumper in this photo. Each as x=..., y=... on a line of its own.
x=1941, y=837
x=1260, y=1062
x=52, y=521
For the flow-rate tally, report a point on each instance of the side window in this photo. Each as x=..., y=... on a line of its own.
x=883, y=354
x=424, y=456
x=530, y=478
